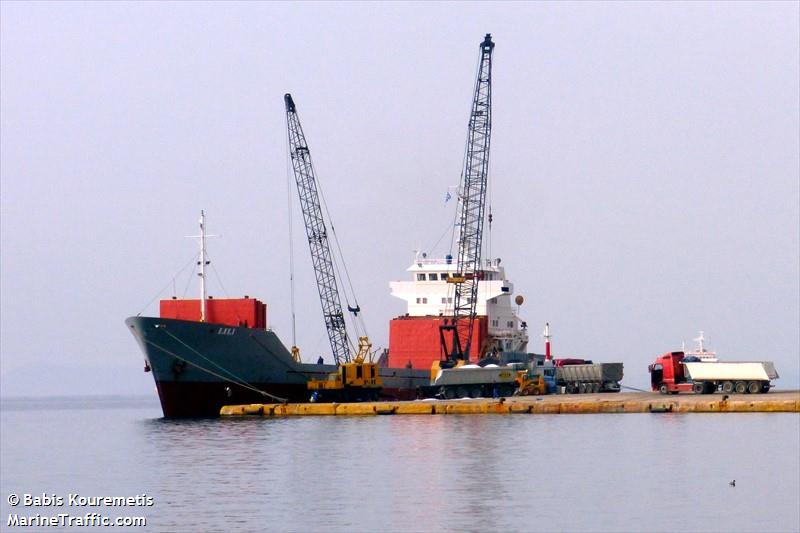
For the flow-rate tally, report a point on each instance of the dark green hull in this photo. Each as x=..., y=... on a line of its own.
x=199, y=367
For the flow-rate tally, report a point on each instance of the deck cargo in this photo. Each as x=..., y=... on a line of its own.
x=237, y=312
x=416, y=341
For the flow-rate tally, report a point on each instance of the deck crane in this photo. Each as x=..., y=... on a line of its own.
x=317, y=234
x=472, y=199
x=356, y=377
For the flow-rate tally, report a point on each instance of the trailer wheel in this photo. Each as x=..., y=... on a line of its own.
x=727, y=387
x=582, y=388
x=740, y=387
x=596, y=387
x=711, y=388
x=663, y=389
x=475, y=392
x=698, y=387
x=754, y=387
x=449, y=393
x=461, y=392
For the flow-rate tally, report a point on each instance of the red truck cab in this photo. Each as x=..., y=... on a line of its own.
x=667, y=374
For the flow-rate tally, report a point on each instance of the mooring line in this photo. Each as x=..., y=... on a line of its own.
x=231, y=376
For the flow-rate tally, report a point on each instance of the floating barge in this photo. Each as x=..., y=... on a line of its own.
x=636, y=402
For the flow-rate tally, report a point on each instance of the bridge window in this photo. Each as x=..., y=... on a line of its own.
x=443, y=276
x=433, y=277
x=420, y=277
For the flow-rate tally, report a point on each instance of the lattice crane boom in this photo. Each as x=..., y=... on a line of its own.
x=472, y=201
x=317, y=234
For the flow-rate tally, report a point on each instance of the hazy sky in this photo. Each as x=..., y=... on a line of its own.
x=645, y=176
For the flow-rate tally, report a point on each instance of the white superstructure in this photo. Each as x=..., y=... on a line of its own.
x=428, y=293
x=700, y=351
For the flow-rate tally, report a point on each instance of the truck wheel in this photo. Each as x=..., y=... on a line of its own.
x=740, y=387
x=727, y=387
x=698, y=388
x=663, y=389
x=596, y=388
x=582, y=388
x=461, y=392
x=475, y=392
x=765, y=387
x=711, y=388
x=449, y=393
x=754, y=387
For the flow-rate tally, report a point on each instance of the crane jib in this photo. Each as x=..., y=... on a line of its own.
x=459, y=330
x=321, y=257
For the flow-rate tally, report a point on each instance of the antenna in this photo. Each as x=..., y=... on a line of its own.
x=699, y=340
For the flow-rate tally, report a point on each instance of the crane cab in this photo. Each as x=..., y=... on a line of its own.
x=357, y=380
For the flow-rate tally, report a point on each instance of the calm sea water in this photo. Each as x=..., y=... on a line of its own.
x=630, y=472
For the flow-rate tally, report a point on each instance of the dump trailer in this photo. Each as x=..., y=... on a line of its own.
x=581, y=376
x=673, y=372
x=471, y=381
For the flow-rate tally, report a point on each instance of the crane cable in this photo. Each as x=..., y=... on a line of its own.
x=289, y=177
x=171, y=282
x=358, y=321
x=459, y=195
x=231, y=376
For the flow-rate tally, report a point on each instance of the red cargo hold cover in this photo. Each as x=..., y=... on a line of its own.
x=237, y=312
x=417, y=339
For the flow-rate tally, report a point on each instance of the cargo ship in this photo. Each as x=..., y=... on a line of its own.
x=208, y=352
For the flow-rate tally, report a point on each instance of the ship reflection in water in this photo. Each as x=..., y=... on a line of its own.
x=415, y=473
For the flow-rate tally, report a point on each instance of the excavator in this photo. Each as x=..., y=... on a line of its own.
x=356, y=381
x=356, y=377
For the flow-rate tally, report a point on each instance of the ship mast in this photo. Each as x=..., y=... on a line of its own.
x=203, y=264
